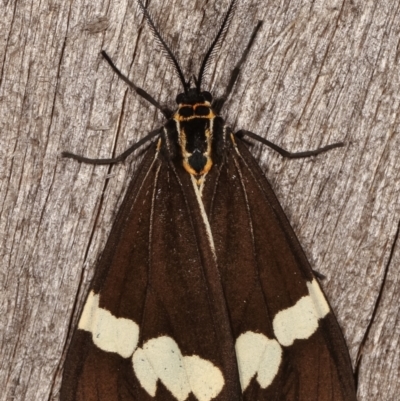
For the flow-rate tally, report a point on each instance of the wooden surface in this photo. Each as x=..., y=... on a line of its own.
x=319, y=72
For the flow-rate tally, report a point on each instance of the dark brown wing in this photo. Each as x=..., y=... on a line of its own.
x=288, y=342
x=163, y=322
x=155, y=324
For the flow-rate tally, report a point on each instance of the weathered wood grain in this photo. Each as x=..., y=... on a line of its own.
x=319, y=72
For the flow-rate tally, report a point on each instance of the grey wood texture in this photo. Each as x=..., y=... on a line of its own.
x=319, y=72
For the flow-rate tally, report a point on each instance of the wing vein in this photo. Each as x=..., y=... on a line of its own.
x=148, y=285
x=250, y=222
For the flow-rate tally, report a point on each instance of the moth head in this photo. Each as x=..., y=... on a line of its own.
x=193, y=96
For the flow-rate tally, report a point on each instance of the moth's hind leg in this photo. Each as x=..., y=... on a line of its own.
x=286, y=153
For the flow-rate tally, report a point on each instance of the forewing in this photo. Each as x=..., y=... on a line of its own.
x=288, y=343
x=152, y=326
x=186, y=279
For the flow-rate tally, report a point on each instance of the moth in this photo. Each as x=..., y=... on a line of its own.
x=203, y=291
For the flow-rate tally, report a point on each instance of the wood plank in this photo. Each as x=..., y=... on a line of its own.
x=319, y=72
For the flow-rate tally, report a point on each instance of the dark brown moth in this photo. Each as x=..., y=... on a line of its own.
x=203, y=291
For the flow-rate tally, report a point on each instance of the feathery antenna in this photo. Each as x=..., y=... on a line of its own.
x=164, y=46
x=216, y=44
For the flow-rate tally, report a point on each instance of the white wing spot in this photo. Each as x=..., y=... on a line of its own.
x=321, y=305
x=89, y=312
x=109, y=333
x=205, y=379
x=257, y=354
x=166, y=360
x=160, y=358
x=144, y=372
x=300, y=321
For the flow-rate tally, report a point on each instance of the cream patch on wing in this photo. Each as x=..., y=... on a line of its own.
x=144, y=372
x=257, y=355
x=300, y=321
x=260, y=356
x=205, y=379
x=161, y=359
x=164, y=356
x=109, y=333
x=321, y=305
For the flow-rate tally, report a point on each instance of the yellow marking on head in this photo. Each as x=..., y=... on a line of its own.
x=179, y=118
x=210, y=115
x=205, y=103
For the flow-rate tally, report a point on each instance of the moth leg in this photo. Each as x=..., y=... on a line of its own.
x=284, y=152
x=141, y=92
x=219, y=102
x=117, y=159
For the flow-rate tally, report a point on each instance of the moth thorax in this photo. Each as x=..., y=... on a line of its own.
x=194, y=124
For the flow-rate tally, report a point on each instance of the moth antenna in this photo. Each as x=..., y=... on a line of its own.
x=216, y=44
x=164, y=45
